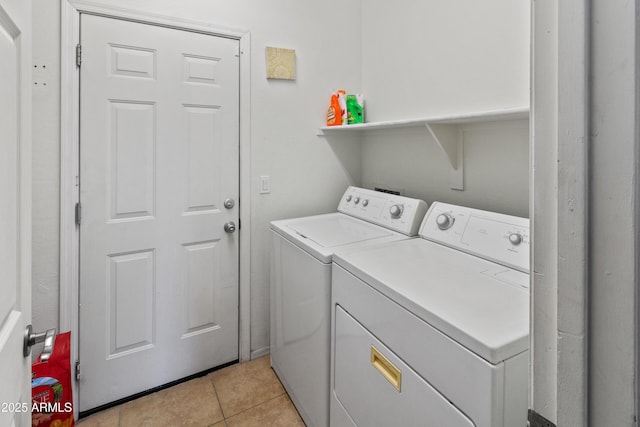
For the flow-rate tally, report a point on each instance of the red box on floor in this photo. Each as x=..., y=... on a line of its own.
x=51, y=397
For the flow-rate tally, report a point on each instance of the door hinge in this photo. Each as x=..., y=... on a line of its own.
x=78, y=370
x=78, y=55
x=78, y=213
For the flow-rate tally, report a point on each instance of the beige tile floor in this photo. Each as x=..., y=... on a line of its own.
x=247, y=394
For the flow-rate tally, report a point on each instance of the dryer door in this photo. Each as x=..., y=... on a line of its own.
x=376, y=388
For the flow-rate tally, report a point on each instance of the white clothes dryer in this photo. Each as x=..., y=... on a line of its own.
x=302, y=250
x=434, y=331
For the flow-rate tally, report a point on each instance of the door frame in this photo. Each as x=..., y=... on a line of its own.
x=70, y=159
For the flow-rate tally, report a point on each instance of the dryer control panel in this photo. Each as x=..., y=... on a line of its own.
x=401, y=214
x=490, y=235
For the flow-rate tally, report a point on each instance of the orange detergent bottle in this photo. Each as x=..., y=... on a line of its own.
x=342, y=101
x=334, y=114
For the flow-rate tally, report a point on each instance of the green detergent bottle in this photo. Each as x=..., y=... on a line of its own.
x=355, y=111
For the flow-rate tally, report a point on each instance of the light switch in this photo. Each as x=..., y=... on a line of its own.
x=265, y=184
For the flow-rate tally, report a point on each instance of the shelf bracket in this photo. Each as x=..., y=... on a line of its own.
x=450, y=139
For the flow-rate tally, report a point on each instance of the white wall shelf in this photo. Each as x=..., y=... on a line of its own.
x=445, y=130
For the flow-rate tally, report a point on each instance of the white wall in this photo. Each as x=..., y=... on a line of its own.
x=496, y=168
x=434, y=58
x=46, y=164
x=307, y=174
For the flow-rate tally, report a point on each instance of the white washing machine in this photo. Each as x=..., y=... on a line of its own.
x=434, y=331
x=301, y=286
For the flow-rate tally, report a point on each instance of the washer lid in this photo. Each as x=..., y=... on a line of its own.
x=322, y=235
x=480, y=304
x=337, y=231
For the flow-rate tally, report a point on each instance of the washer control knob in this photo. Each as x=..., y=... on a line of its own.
x=348, y=198
x=515, y=238
x=365, y=202
x=444, y=221
x=395, y=211
x=356, y=200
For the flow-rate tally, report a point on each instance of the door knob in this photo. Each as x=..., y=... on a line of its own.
x=230, y=227
x=31, y=338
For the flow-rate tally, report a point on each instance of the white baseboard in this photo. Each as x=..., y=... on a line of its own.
x=259, y=352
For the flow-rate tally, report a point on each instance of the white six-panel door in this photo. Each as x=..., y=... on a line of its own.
x=15, y=211
x=159, y=154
